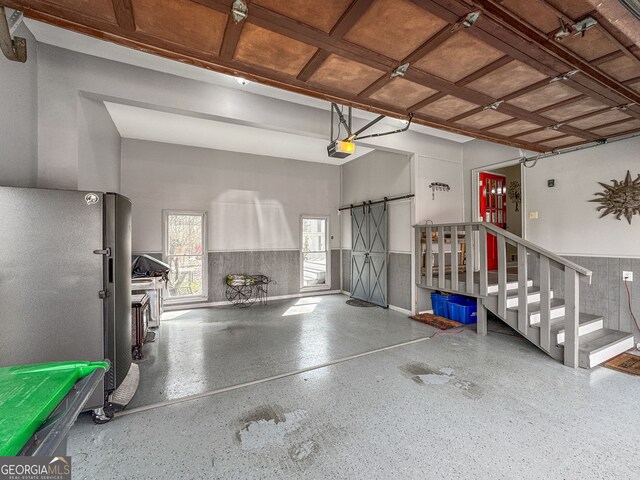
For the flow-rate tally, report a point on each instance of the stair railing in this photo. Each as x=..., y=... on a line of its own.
x=466, y=245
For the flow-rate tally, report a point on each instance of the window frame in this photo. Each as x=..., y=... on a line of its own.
x=205, y=255
x=327, y=243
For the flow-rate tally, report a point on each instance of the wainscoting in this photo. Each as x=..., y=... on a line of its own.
x=399, y=277
x=607, y=295
x=283, y=266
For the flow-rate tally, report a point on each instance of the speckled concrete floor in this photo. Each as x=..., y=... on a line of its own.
x=454, y=407
x=206, y=349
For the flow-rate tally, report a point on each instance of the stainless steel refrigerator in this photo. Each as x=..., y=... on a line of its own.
x=65, y=280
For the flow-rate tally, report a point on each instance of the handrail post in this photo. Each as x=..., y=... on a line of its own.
x=469, y=252
x=502, y=276
x=545, y=304
x=571, y=315
x=523, y=290
x=484, y=282
x=454, y=258
x=441, y=271
x=418, y=250
x=428, y=262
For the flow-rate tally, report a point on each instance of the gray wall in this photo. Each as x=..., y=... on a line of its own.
x=374, y=176
x=19, y=117
x=399, y=278
x=98, y=147
x=283, y=266
x=253, y=202
x=607, y=295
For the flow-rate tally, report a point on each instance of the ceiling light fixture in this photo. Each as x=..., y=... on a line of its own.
x=583, y=25
x=470, y=19
x=401, y=71
x=239, y=11
x=494, y=105
x=241, y=81
x=624, y=108
x=554, y=127
x=564, y=76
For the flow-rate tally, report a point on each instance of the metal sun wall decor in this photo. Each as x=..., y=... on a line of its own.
x=514, y=193
x=621, y=198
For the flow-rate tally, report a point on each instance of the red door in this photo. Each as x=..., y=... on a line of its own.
x=493, y=209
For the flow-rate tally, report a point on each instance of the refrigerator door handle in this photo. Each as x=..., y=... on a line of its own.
x=106, y=251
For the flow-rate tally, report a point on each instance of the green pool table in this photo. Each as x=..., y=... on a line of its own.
x=39, y=404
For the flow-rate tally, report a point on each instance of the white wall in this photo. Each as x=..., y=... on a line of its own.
x=441, y=207
x=567, y=222
x=19, y=117
x=63, y=76
x=374, y=176
x=253, y=202
x=479, y=154
x=98, y=148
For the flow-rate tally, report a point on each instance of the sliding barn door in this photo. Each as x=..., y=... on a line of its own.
x=359, y=254
x=369, y=254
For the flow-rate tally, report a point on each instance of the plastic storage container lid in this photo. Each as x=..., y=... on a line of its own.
x=28, y=395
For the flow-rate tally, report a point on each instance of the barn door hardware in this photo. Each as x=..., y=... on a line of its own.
x=15, y=49
x=385, y=200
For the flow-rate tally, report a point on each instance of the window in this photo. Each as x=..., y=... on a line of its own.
x=185, y=250
x=315, y=253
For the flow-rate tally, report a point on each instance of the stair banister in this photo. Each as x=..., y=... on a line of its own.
x=571, y=271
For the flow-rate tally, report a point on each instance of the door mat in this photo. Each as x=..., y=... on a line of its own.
x=436, y=321
x=625, y=362
x=354, y=302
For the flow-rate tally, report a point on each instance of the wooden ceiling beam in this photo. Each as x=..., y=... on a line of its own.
x=231, y=37
x=563, y=103
x=124, y=14
x=431, y=44
x=501, y=62
x=146, y=43
x=606, y=28
x=483, y=136
x=427, y=101
x=346, y=22
x=499, y=13
x=313, y=65
x=523, y=91
x=350, y=17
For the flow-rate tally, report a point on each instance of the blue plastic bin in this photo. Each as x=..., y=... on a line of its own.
x=440, y=303
x=463, y=310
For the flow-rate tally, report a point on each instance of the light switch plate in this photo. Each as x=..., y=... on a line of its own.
x=533, y=215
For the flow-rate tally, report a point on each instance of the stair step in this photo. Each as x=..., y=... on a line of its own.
x=602, y=345
x=510, y=286
x=557, y=310
x=533, y=296
x=587, y=324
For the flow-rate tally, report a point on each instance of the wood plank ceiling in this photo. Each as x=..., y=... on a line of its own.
x=505, y=78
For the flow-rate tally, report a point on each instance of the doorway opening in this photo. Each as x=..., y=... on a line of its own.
x=500, y=203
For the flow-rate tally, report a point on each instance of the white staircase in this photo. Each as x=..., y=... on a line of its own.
x=555, y=325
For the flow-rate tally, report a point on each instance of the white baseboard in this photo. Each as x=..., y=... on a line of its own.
x=191, y=306
x=401, y=310
x=426, y=311
x=348, y=294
